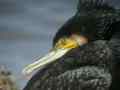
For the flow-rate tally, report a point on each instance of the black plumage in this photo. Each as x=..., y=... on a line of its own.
x=115, y=46
x=76, y=71
x=93, y=66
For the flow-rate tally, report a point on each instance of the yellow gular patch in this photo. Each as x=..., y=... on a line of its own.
x=66, y=43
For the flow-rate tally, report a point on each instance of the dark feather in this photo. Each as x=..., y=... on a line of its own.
x=115, y=46
x=93, y=19
x=90, y=6
x=75, y=71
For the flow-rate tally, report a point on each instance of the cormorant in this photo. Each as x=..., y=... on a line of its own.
x=83, y=52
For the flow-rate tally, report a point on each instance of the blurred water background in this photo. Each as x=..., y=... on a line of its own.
x=27, y=28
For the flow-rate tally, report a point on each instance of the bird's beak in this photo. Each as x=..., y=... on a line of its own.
x=50, y=57
x=59, y=51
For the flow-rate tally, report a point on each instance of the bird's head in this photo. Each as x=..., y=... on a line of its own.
x=61, y=47
x=91, y=22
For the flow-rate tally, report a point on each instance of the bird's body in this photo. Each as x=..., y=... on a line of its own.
x=86, y=66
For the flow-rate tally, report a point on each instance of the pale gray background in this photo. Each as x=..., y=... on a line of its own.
x=27, y=28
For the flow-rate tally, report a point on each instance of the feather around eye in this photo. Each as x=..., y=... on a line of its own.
x=62, y=41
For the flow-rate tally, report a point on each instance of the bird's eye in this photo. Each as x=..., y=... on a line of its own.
x=63, y=41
